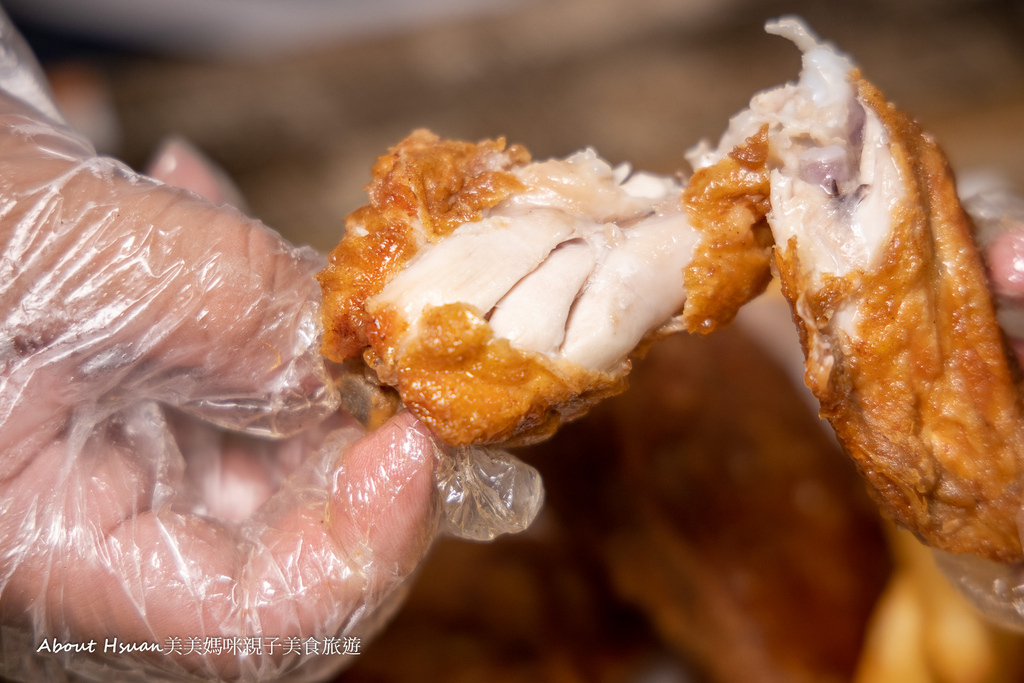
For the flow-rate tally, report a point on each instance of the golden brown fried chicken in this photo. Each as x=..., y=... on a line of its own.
x=876, y=257
x=501, y=296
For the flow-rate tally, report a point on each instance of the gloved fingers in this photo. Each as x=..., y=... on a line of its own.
x=316, y=561
x=1005, y=255
x=229, y=475
x=122, y=286
x=483, y=492
x=994, y=588
x=180, y=164
x=90, y=254
x=177, y=162
x=999, y=219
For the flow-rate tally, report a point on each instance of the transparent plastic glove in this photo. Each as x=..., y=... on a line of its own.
x=999, y=217
x=997, y=589
x=138, y=541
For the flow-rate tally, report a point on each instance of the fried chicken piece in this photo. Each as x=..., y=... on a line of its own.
x=724, y=512
x=502, y=297
x=876, y=257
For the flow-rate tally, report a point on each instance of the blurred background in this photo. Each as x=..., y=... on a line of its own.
x=702, y=527
x=298, y=124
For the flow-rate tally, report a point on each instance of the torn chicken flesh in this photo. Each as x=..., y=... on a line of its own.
x=876, y=257
x=502, y=296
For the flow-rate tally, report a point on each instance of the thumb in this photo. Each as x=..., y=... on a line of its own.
x=101, y=553
x=179, y=163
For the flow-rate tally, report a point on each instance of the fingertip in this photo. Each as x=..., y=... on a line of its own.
x=177, y=162
x=383, y=495
x=1006, y=264
x=406, y=429
x=242, y=320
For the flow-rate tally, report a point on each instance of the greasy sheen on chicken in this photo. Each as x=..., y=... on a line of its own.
x=502, y=296
x=876, y=258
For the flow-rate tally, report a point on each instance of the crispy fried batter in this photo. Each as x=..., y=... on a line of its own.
x=728, y=203
x=467, y=385
x=924, y=396
x=471, y=385
x=421, y=190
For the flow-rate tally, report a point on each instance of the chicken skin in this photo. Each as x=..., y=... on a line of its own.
x=876, y=257
x=502, y=296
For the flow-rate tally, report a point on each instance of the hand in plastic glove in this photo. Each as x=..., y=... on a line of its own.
x=124, y=526
x=1000, y=219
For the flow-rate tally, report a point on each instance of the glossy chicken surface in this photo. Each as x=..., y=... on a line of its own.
x=876, y=257
x=501, y=296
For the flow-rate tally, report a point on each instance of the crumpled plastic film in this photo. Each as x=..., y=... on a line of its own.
x=995, y=589
x=487, y=492
x=140, y=540
x=995, y=211
x=998, y=216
